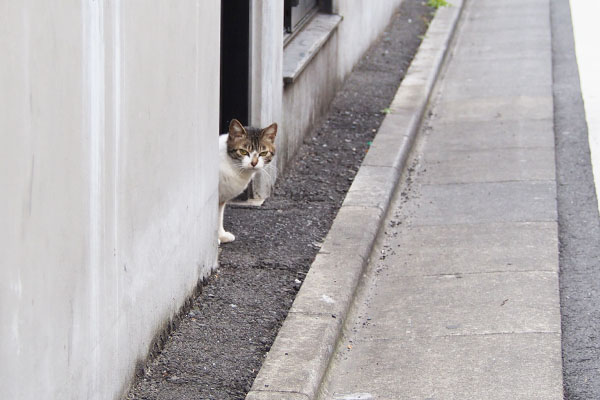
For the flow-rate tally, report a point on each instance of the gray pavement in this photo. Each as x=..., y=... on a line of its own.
x=445, y=286
x=461, y=296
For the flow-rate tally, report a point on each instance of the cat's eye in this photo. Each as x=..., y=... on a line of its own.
x=243, y=152
x=263, y=153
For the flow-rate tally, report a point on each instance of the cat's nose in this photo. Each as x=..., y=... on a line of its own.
x=254, y=162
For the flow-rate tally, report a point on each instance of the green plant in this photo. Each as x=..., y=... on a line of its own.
x=437, y=3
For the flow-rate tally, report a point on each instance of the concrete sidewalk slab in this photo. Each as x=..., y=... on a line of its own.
x=510, y=78
x=490, y=165
x=490, y=367
x=479, y=248
x=509, y=108
x=462, y=304
x=486, y=135
x=526, y=22
x=504, y=49
x=501, y=44
x=476, y=203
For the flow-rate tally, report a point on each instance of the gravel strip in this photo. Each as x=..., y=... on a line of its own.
x=217, y=346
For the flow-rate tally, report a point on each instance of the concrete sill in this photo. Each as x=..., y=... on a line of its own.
x=306, y=44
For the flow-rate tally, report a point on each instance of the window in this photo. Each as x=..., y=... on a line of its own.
x=297, y=13
x=308, y=25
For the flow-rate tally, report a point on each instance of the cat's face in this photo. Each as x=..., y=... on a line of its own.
x=251, y=148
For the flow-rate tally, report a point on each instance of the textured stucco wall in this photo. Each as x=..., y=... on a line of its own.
x=108, y=181
x=307, y=99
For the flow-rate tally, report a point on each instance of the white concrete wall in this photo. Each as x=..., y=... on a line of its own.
x=266, y=79
x=108, y=185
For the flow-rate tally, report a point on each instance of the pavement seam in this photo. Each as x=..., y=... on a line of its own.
x=485, y=149
x=315, y=357
x=461, y=274
x=516, y=221
x=552, y=333
x=488, y=182
x=482, y=223
x=461, y=335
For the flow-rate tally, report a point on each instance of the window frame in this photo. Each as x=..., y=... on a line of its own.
x=297, y=13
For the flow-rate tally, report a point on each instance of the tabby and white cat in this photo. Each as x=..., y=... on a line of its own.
x=243, y=152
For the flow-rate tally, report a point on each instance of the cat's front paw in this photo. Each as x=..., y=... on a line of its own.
x=226, y=237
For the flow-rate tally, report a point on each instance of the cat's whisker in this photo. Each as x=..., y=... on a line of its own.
x=266, y=172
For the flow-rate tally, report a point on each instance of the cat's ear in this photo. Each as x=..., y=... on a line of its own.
x=269, y=132
x=236, y=130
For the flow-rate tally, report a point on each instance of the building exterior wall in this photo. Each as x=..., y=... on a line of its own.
x=108, y=174
x=306, y=99
x=266, y=82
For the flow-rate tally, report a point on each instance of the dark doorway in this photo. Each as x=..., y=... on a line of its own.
x=235, y=62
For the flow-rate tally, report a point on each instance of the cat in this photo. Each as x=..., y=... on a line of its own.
x=243, y=152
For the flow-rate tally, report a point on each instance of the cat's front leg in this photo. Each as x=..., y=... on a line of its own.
x=224, y=236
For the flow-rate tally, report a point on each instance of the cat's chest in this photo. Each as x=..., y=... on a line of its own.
x=232, y=182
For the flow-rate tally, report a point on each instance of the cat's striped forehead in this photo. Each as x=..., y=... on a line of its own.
x=252, y=140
